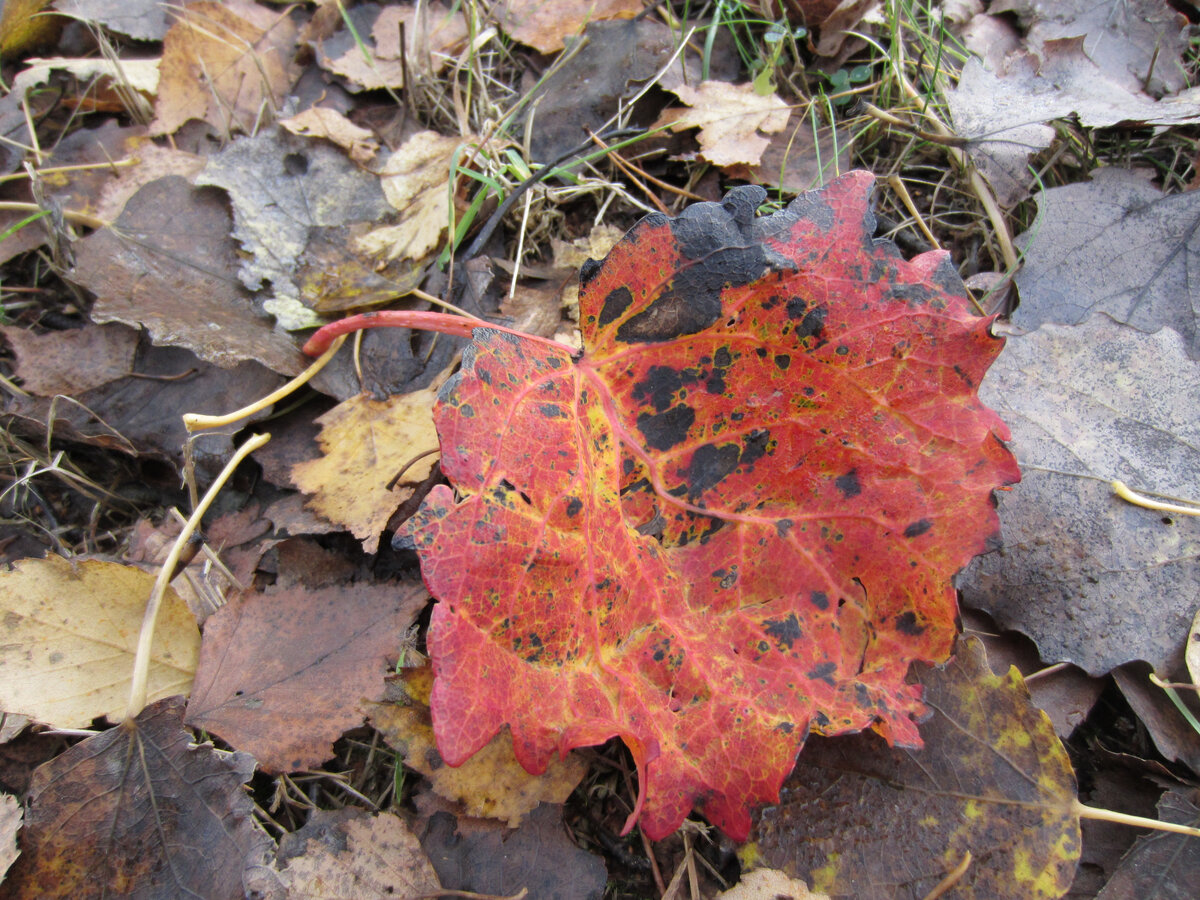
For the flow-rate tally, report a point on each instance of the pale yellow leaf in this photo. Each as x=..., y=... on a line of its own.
x=68, y=636
x=730, y=118
x=415, y=181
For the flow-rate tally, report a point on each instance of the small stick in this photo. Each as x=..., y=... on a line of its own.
x=442, y=323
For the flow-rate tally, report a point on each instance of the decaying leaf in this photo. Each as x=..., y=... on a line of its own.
x=282, y=673
x=143, y=20
x=10, y=824
x=546, y=24
x=415, y=180
x=730, y=118
x=491, y=784
x=1003, y=114
x=138, y=810
x=98, y=354
x=366, y=442
x=1145, y=242
x=229, y=63
x=360, y=855
x=1092, y=579
x=483, y=856
x=1161, y=866
x=283, y=188
x=70, y=634
x=165, y=267
x=751, y=390
x=993, y=780
x=322, y=122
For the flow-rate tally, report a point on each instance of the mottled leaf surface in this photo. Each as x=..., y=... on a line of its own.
x=859, y=819
x=733, y=520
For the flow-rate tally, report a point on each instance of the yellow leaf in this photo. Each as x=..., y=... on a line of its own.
x=414, y=180
x=68, y=637
x=730, y=117
x=366, y=442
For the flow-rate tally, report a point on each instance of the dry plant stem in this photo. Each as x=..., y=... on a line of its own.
x=195, y=421
x=73, y=216
x=897, y=184
x=141, y=661
x=1123, y=491
x=471, y=895
x=952, y=878
x=81, y=167
x=1107, y=815
x=442, y=323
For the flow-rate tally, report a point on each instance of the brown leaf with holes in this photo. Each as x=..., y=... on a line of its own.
x=228, y=63
x=138, y=811
x=282, y=673
x=366, y=442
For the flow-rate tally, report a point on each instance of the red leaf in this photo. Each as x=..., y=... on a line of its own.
x=734, y=520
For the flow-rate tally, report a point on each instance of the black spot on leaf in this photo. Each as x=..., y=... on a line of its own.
x=917, y=528
x=574, y=505
x=848, y=484
x=615, y=304
x=664, y=430
x=709, y=466
x=906, y=623
x=660, y=387
x=782, y=361
x=785, y=631
x=819, y=599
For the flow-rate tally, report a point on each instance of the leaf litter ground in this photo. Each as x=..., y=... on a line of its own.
x=675, y=492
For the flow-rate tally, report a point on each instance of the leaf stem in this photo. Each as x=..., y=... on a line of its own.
x=141, y=661
x=423, y=320
x=1122, y=490
x=196, y=421
x=1107, y=815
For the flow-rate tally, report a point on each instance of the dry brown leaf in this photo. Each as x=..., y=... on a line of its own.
x=140, y=74
x=322, y=122
x=574, y=254
x=431, y=31
x=730, y=118
x=491, y=784
x=139, y=811
x=227, y=63
x=282, y=674
x=70, y=631
x=98, y=354
x=796, y=160
x=10, y=824
x=545, y=24
x=414, y=180
x=366, y=442
x=363, y=857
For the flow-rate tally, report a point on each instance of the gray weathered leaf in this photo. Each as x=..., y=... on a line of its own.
x=1092, y=579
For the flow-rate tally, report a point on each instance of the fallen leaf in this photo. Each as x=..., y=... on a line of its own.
x=351, y=53
x=139, y=74
x=70, y=636
x=798, y=159
x=142, y=20
x=1192, y=653
x=415, y=180
x=138, y=810
x=282, y=187
x=365, y=442
x=282, y=673
x=491, y=784
x=435, y=32
x=1138, y=44
x=163, y=267
x=769, y=884
x=323, y=122
x=546, y=24
x=596, y=81
x=1115, y=245
x=25, y=25
x=1003, y=114
x=730, y=118
x=751, y=390
x=1173, y=735
x=140, y=414
x=346, y=267
x=483, y=856
x=97, y=355
x=361, y=856
x=1092, y=579
x=1160, y=865
x=228, y=63
x=10, y=824
x=993, y=780
x=833, y=20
